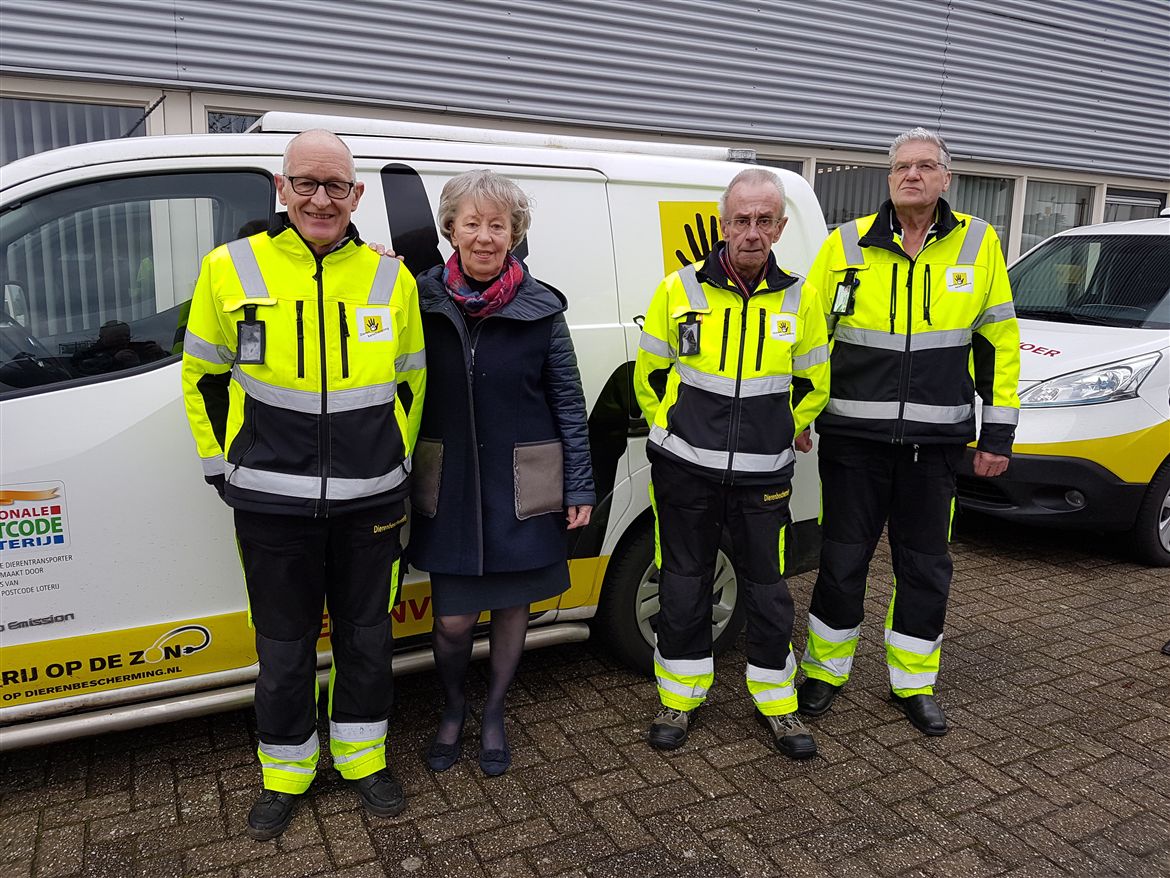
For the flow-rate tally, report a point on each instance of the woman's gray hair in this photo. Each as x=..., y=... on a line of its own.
x=753, y=177
x=480, y=186
x=925, y=136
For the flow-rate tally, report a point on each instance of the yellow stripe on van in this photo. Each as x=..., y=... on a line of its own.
x=1132, y=457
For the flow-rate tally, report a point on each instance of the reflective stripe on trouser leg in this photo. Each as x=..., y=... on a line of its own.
x=289, y=768
x=683, y=683
x=913, y=663
x=657, y=537
x=358, y=749
x=828, y=652
x=773, y=690
x=362, y=680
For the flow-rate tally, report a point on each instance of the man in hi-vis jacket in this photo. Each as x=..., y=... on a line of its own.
x=732, y=365
x=303, y=376
x=921, y=320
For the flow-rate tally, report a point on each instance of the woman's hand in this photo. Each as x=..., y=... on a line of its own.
x=578, y=516
x=383, y=250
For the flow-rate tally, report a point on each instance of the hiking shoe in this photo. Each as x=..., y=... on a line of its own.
x=270, y=815
x=381, y=793
x=669, y=729
x=790, y=735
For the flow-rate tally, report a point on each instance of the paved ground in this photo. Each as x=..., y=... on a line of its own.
x=1058, y=763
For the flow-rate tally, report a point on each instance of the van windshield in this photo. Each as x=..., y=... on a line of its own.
x=1105, y=280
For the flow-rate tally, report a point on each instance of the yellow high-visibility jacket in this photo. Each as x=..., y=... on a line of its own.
x=924, y=335
x=730, y=407
x=326, y=421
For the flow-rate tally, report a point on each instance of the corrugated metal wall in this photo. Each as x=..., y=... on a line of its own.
x=1054, y=83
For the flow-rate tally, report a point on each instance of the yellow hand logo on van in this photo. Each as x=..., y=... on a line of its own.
x=690, y=230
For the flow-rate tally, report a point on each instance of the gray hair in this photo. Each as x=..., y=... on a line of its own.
x=318, y=135
x=753, y=177
x=484, y=185
x=921, y=134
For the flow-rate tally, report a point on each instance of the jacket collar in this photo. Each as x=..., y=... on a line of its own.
x=711, y=272
x=885, y=225
x=289, y=238
x=534, y=299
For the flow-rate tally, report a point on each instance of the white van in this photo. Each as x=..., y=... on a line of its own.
x=122, y=595
x=1092, y=448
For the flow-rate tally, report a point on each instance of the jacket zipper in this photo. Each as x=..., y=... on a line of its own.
x=300, y=338
x=733, y=430
x=344, y=340
x=726, y=330
x=323, y=425
x=904, y=372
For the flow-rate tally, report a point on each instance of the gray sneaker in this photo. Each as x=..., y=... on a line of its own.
x=669, y=729
x=791, y=737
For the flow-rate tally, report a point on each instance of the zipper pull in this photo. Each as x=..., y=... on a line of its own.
x=916, y=454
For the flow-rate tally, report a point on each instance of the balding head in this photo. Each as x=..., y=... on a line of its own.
x=313, y=159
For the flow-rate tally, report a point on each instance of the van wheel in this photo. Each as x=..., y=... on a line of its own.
x=629, y=598
x=1151, y=531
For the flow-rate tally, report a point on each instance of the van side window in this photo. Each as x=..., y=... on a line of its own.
x=97, y=278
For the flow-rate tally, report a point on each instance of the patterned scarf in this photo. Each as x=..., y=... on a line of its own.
x=501, y=291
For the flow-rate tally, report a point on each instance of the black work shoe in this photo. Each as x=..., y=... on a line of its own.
x=381, y=793
x=270, y=815
x=791, y=737
x=815, y=696
x=924, y=713
x=669, y=729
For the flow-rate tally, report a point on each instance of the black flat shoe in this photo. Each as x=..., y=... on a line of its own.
x=442, y=756
x=495, y=762
x=924, y=713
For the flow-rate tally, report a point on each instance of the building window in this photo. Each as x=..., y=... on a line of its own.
x=847, y=192
x=1053, y=207
x=32, y=126
x=794, y=165
x=230, y=123
x=1131, y=204
x=989, y=198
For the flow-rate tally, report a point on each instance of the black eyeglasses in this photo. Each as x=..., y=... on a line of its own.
x=309, y=186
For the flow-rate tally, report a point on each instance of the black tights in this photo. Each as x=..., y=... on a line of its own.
x=452, y=644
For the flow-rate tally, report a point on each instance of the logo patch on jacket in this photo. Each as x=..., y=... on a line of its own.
x=961, y=279
x=374, y=324
x=783, y=327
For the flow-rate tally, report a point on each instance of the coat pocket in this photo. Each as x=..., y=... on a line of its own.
x=538, y=471
x=426, y=475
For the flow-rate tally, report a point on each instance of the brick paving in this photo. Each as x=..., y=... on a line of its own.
x=1058, y=762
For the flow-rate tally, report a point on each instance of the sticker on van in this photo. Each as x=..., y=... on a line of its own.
x=690, y=230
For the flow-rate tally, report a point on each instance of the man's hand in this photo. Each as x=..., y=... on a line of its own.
x=804, y=441
x=988, y=465
x=383, y=250
x=578, y=516
x=216, y=482
x=701, y=247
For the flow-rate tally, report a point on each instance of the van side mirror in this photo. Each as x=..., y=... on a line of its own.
x=15, y=302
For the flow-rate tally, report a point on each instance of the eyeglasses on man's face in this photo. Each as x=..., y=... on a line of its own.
x=763, y=223
x=309, y=186
x=927, y=167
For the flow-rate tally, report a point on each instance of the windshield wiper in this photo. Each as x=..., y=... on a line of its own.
x=1059, y=315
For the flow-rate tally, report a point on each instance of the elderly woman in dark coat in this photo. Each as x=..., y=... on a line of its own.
x=501, y=468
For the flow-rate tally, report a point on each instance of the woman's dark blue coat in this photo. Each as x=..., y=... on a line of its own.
x=496, y=393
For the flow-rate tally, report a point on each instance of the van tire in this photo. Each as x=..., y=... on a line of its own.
x=1151, y=531
x=629, y=596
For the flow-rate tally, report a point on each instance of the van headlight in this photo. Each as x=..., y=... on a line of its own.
x=1099, y=384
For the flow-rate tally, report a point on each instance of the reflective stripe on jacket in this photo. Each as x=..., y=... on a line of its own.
x=327, y=421
x=926, y=334
x=750, y=374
